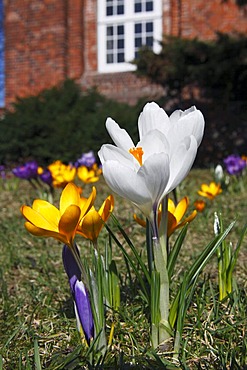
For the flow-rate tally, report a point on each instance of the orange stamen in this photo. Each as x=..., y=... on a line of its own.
x=137, y=153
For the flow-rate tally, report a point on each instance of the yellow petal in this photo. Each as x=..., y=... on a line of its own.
x=181, y=208
x=171, y=224
x=69, y=221
x=205, y=188
x=70, y=195
x=36, y=231
x=91, y=225
x=171, y=206
x=187, y=219
x=140, y=221
x=85, y=205
x=47, y=210
x=37, y=219
x=106, y=208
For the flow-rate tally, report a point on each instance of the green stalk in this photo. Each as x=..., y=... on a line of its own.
x=161, y=268
x=163, y=228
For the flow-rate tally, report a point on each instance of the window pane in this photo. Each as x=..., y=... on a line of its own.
x=109, y=10
x=149, y=27
x=149, y=6
x=109, y=58
x=138, y=7
x=120, y=58
x=109, y=44
x=138, y=28
x=120, y=30
x=149, y=41
x=109, y=31
x=138, y=42
x=120, y=44
x=120, y=9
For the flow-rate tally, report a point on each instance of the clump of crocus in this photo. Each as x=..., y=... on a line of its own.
x=45, y=175
x=210, y=191
x=61, y=173
x=27, y=171
x=87, y=159
x=235, y=164
x=88, y=175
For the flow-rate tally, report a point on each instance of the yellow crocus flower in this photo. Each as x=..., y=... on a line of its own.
x=44, y=219
x=92, y=223
x=175, y=215
x=87, y=175
x=210, y=191
x=61, y=173
x=200, y=205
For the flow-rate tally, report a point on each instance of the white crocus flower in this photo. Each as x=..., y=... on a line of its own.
x=146, y=172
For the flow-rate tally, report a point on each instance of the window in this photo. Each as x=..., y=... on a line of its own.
x=124, y=26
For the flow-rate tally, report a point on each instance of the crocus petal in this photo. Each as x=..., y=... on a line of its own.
x=91, y=225
x=153, y=143
x=69, y=262
x=189, y=218
x=181, y=209
x=171, y=206
x=125, y=182
x=70, y=195
x=84, y=311
x=153, y=118
x=69, y=221
x=86, y=205
x=37, y=219
x=113, y=153
x=181, y=162
x=155, y=173
x=106, y=208
x=188, y=122
x=119, y=136
x=139, y=220
x=171, y=223
x=37, y=231
x=47, y=210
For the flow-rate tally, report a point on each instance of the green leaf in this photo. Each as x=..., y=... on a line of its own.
x=173, y=255
x=36, y=355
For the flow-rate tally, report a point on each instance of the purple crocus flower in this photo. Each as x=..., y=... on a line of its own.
x=234, y=164
x=46, y=177
x=87, y=159
x=27, y=171
x=2, y=171
x=79, y=293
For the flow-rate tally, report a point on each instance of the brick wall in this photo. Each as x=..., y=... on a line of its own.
x=202, y=18
x=47, y=41
x=43, y=44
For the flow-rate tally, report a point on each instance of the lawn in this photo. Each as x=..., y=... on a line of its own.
x=37, y=320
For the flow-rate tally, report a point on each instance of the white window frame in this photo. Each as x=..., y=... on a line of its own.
x=128, y=20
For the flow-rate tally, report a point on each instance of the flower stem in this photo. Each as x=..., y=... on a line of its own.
x=80, y=265
x=161, y=268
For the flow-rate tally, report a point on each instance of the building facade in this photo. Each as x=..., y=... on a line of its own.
x=94, y=41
